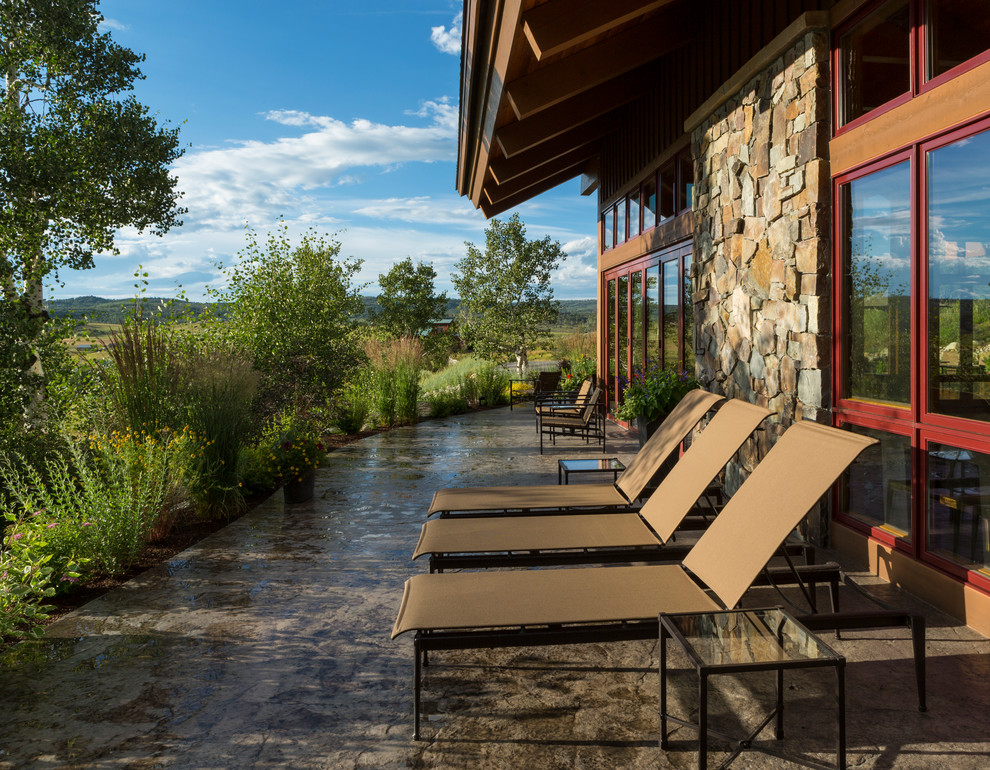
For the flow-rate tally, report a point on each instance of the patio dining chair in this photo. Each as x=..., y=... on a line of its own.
x=458, y=542
x=588, y=424
x=509, y=608
x=562, y=403
x=618, y=496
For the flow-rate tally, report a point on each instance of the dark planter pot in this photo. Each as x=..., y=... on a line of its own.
x=299, y=491
x=645, y=428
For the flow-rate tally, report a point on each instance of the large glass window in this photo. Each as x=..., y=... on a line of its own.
x=634, y=214
x=636, y=310
x=959, y=278
x=685, y=188
x=608, y=229
x=649, y=203
x=957, y=30
x=643, y=324
x=610, y=344
x=671, y=314
x=959, y=505
x=875, y=60
x=668, y=184
x=687, y=313
x=877, y=488
x=876, y=264
x=652, y=315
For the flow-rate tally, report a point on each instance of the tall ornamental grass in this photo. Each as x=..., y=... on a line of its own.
x=395, y=367
x=219, y=386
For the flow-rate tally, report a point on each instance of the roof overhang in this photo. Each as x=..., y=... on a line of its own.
x=542, y=83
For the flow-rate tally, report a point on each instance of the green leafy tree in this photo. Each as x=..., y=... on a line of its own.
x=80, y=159
x=408, y=301
x=507, y=304
x=294, y=309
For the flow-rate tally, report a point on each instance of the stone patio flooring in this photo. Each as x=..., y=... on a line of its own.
x=267, y=645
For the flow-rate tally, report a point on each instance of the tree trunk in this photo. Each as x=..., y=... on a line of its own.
x=522, y=360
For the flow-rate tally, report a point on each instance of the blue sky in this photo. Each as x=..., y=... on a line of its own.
x=334, y=115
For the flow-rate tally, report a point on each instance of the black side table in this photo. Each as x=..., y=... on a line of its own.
x=738, y=641
x=611, y=465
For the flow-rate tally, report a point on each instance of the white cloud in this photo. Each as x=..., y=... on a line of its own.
x=448, y=40
x=422, y=209
x=107, y=23
x=251, y=179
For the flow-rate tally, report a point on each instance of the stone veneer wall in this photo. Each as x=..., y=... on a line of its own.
x=761, y=240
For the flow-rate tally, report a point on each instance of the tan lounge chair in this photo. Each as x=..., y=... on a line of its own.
x=598, y=604
x=616, y=496
x=457, y=542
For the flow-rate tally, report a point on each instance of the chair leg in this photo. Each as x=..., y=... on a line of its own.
x=417, y=676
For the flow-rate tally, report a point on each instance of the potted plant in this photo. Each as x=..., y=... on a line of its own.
x=295, y=459
x=649, y=397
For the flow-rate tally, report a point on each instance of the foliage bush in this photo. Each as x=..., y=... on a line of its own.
x=294, y=309
x=350, y=409
x=99, y=504
x=487, y=385
x=576, y=371
x=653, y=393
x=25, y=583
x=445, y=401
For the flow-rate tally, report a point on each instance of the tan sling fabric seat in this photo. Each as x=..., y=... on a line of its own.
x=604, y=537
x=561, y=403
x=516, y=608
x=621, y=494
x=727, y=558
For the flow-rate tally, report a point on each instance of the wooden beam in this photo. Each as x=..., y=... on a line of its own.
x=559, y=25
x=537, y=174
x=504, y=170
x=487, y=89
x=564, y=78
x=493, y=208
x=521, y=135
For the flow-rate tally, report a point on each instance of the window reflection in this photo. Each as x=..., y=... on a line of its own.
x=610, y=326
x=671, y=291
x=609, y=238
x=877, y=487
x=636, y=290
x=876, y=220
x=957, y=31
x=959, y=279
x=688, y=315
x=668, y=177
x=634, y=214
x=959, y=505
x=649, y=203
x=875, y=60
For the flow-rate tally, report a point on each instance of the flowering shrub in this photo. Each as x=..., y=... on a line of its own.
x=652, y=394
x=296, y=450
x=25, y=583
x=576, y=372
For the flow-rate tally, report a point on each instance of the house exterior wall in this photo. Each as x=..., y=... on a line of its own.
x=761, y=222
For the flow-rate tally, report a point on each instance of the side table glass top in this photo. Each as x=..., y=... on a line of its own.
x=743, y=637
x=590, y=464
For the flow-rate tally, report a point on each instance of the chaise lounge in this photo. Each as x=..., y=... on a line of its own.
x=598, y=604
x=615, y=496
x=457, y=542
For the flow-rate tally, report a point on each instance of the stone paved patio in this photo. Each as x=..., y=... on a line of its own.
x=267, y=645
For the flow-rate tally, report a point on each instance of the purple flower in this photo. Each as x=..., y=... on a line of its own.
x=18, y=536
x=52, y=525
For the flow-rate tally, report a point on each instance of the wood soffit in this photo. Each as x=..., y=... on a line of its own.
x=541, y=84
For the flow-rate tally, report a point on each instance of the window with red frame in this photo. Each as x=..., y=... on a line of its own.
x=895, y=49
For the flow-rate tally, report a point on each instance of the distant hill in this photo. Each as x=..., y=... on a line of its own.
x=575, y=314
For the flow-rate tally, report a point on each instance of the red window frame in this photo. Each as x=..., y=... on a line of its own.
x=918, y=53
x=916, y=422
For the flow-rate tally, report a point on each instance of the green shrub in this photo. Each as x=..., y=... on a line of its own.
x=492, y=385
x=395, y=373
x=98, y=505
x=445, y=402
x=25, y=583
x=407, y=392
x=350, y=409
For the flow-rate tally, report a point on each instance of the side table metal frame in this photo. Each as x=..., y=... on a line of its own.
x=705, y=671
